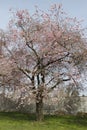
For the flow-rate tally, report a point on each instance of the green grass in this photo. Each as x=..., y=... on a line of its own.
x=19, y=121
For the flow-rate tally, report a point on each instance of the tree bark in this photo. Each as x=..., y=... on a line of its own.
x=39, y=95
x=39, y=107
x=39, y=101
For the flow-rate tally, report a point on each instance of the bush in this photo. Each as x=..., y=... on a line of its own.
x=82, y=114
x=60, y=112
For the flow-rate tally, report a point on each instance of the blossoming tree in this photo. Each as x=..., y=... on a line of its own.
x=46, y=47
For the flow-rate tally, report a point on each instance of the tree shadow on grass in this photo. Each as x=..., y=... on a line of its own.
x=78, y=120
x=68, y=120
x=17, y=116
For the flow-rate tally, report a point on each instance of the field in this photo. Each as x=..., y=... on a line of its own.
x=19, y=121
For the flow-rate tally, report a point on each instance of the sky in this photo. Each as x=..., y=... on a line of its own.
x=74, y=8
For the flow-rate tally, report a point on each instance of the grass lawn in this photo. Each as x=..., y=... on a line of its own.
x=19, y=121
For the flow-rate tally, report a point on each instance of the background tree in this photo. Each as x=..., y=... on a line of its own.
x=45, y=47
x=72, y=99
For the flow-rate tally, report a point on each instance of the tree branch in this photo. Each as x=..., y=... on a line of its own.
x=24, y=72
x=58, y=82
x=59, y=59
x=34, y=51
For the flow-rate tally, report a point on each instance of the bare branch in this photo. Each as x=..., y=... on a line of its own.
x=59, y=59
x=34, y=51
x=24, y=72
x=58, y=82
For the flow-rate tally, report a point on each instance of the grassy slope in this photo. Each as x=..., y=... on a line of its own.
x=18, y=121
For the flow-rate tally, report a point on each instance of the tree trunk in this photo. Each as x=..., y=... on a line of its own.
x=39, y=95
x=39, y=107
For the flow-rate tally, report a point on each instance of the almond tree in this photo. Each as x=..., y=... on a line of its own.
x=46, y=48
